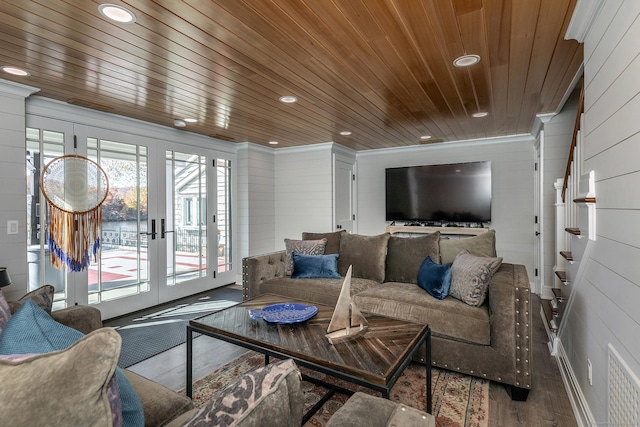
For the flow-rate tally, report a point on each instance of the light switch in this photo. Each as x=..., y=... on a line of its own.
x=12, y=227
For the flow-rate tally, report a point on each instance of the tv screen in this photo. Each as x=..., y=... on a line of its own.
x=459, y=192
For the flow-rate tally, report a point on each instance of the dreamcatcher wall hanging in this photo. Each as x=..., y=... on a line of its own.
x=74, y=187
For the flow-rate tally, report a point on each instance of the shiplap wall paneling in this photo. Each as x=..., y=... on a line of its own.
x=303, y=192
x=608, y=298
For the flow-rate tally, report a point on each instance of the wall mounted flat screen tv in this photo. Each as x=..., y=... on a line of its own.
x=459, y=192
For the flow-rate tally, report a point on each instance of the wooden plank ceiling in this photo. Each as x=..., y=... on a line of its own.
x=381, y=69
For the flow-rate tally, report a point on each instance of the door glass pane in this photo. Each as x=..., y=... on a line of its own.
x=123, y=267
x=223, y=216
x=42, y=147
x=186, y=222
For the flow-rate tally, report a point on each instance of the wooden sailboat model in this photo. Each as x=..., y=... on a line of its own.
x=347, y=321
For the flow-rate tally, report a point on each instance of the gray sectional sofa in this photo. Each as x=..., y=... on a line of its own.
x=492, y=340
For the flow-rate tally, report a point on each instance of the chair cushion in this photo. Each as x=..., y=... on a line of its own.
x=32, y=330
x=365, y=253
x=480, y=245
x=406, y=254
x=72, y=387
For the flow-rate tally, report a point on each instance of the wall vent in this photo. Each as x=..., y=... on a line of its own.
x=624, y=392
x=89, y=104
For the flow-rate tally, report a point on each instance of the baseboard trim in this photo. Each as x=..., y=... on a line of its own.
x=579, y=404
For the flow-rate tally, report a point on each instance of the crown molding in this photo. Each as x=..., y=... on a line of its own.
x=582, y=19
x=17, y=89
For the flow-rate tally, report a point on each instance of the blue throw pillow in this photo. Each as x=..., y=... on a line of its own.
x=435, y=278
x=315, y=266
x=31, y=330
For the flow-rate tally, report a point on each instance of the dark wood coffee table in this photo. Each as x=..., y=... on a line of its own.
x=375, y=360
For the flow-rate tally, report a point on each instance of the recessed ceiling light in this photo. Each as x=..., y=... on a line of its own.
x=480, y=114
x=288, y=99
x=179, y=123
x=466, y=60
x=425, y=137
x=273, y=142
x=15, y=71
x=117, y=13
x=345, y=133
x=190, y=120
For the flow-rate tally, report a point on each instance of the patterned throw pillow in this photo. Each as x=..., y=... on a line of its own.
x=80, y=387
x=5, y=311
x=256, y=399
x=470, y=277
x=305, y=247
x=43, y=297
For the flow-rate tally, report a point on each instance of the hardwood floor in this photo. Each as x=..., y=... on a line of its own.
x=547, y=404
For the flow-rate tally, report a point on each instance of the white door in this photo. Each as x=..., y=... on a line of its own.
x=538, y=216
x=343, y=195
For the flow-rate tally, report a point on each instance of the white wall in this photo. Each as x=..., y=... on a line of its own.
x=13, y=191
x=304, y=192
x=512, y=164
x=256, y=200
x=606, y=305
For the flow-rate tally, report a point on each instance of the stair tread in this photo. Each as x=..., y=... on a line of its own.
x=557, y=293
x=567, y=255
x=552, y=321
x=573, y=230
x=562, y=275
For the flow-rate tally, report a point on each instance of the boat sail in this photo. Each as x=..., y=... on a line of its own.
x=347, y=321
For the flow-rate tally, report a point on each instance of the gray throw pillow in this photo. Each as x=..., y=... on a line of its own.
x=470, y=277
x=406, y=254
x=481, y=245
x=267, y=396
x=365, y=253
x=333, y=240
x=305, y=247
x=72, y=387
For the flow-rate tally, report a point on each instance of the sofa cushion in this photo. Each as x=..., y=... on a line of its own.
x=32, y=330
x=306, y=247
x=268, y=396
x=321, y=291
x=65, y=388
x=158, y=402
x=365, y=253
x=333, y=240
x=449, y=318
x=315, y=266
x=43, y=297
x=470, y=277
x=406, y=254
x=481, y=245
x=435, y=278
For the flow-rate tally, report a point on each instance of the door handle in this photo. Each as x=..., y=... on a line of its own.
x=537, y=233
x=153, y=230
x=163, y=232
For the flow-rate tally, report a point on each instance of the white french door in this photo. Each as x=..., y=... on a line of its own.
x=166, y=229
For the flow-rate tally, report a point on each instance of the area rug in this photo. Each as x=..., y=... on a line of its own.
x=458, y=400
x=148, y=333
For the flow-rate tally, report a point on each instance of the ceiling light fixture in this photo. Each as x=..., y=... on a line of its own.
x=273, y=142
x=345, y=133
x=425, y=137
x=15, y=71
x=288, y=99
x=480, y=114
x=190, y=120
x=117, y=13
x=179, y=123
x=466, y=60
